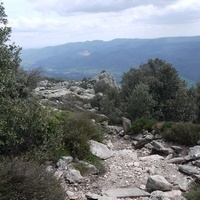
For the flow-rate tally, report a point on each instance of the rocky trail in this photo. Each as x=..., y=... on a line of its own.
x=127, y=172
x=141, y=167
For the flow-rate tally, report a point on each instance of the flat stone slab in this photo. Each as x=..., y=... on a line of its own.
x=126, y=192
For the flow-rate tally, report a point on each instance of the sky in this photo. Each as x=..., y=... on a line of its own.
x=40, y=23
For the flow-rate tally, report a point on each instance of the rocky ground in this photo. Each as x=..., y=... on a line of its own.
x=143, y=168
x=127, y=170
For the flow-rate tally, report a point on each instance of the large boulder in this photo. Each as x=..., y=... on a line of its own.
x=100, y=150
x=157, y=182
x=126, y=124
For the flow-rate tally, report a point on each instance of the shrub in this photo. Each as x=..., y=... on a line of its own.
x=160, y=127
x=24, y=126
x=26, y=180
x=101, y=86
x=78, y=130
x=142, y=123
x=95, y=101
x=194, y=192
x=29, y=129
x=183, y=133
x=96, y=161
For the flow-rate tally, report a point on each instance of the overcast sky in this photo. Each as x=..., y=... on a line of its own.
x=39, y=23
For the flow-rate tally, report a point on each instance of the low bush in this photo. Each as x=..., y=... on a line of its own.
x=96, y=161
x=24, y=125
x=194, y=192
x=142, y=124
x=160, y=127
x=183, y=133
x=78, y=130
x=26, y=180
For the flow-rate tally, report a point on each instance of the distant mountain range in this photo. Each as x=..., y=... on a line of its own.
x=86, y=59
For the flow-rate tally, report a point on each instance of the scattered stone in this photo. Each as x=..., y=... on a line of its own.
x=91, y=169
x=91, y=196
x=157, y=136
x=157, y=145
x=100, y=150
x=148, y=146
x=127, y=137
x=182, y=183
x=67, y=159
x=138, y=137
x=126, y=192
x=196, y=163
x=141, y=143
x=58, y=174
x=63, y=162
x=157, y=182
x=170, y=156
x=177, y=149
x=71, y=195
x=149, y=137
x=134, y=142
x=189, y=170
x=171, y=195
x=110, y=145
x=142, y=187
x=49, y=169
x=177, y=160
x=73, y=176
x=150, y=170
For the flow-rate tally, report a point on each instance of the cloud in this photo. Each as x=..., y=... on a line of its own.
x=65, y=7
x=180, y=12
x=54, y=22
x=24, y=24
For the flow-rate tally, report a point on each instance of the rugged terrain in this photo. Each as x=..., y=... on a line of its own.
x=137, y=167
x=128, y=169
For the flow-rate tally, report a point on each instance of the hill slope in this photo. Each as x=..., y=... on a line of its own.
x=80, y=59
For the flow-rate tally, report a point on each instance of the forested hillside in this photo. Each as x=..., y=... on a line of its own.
x=86, y=59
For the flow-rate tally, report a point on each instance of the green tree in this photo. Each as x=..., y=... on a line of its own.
x=167, y=89
x=9, y=59
x=129, y=80
x=140, y=103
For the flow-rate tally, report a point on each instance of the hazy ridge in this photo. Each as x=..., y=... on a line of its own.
x=85, y=59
